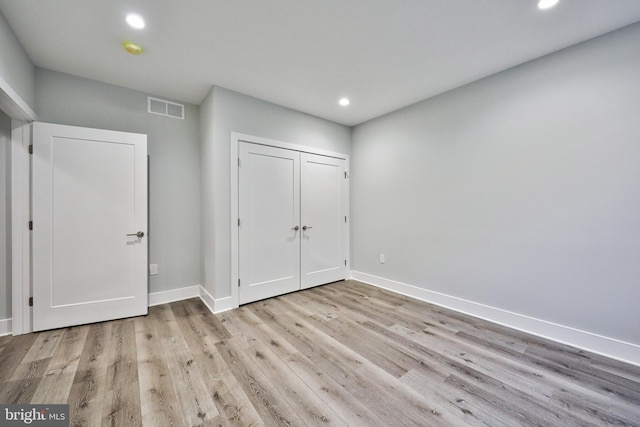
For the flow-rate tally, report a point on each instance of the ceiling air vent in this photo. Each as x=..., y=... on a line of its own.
x=165, y=108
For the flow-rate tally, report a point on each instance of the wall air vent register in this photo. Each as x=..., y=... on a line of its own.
x=165, y=108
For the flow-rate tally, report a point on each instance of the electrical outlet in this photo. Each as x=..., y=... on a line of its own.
x=381, y=258
x=153, y=269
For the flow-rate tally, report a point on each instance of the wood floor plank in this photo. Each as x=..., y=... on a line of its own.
x=200, y=322
x=158, y=403
x=212, y=325
x=13, y=353
x=4, y=340
x=463, y=410
x=362, y=341
x=43, y=348
x=314, y=411
x=591, y=409
x=574, y=371
x=86, y=397
x=371, y=385
x=272, y=407
x=250, y=328
x=465, y=356
x=21, y=390
x=512, y=402
x=349, y=409
x=619, y=386
x=342, y=354
x=380, y=339
x=58, y=378
x=196, y=404
x=357, y=305
x=122, y=394
x=562, y=380
x=266, y=341
x=233, y=405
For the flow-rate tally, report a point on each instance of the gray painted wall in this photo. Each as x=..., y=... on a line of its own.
x=5, y=216
x=519, y=191
x=222, y=112
x=15, y=66
x=174, y=179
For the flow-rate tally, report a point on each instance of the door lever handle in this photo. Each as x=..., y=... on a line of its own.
x=296, y=228
x=304, y=227
x=139, y=234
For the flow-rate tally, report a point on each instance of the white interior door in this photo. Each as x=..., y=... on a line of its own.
x=323, y=219
x=89, y=201
x=269, y=206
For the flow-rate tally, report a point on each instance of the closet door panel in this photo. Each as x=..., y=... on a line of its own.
x=324, y=228
x=269, y=206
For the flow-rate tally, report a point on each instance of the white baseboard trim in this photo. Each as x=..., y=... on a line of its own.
x=5, y=327
x=215, y=305
x=207, y=299
x=605, y=346
x=173, y=295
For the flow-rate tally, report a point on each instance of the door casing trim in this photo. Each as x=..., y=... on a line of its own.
x=20, y=234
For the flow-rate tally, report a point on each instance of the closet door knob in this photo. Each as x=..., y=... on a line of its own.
x=296, y=228
x=304, y=227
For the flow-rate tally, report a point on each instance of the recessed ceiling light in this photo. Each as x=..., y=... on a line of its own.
x=344, y=102
x=135, y=21
x=547, y=4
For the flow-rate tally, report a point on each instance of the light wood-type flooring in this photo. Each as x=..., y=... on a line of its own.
x=340, y=354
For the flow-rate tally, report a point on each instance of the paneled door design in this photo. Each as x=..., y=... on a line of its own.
x=292, y=225
x=269, y=186
x=89, y=225
x=322, y=206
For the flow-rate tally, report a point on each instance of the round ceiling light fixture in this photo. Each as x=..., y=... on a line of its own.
x=135, y=21
x=344, y=102
x=132, y=48
x=547, y=4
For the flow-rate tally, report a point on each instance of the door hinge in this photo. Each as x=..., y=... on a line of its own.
x=238, y=222
x=30, y=225
x=30, y=301
x=345, y=174
x=238, y=161
x=31, y=149
x=345, y=218
x=238, y=282
x=345, y=262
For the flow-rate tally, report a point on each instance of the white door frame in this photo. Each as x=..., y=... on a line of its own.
x=12, y=104
x=236, y=138
x=20, y=234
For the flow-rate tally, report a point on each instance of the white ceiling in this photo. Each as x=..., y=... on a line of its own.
x=305, y=54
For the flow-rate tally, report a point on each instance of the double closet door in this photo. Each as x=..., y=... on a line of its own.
x=293, y=223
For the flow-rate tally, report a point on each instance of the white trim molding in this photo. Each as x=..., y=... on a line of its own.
x=605, y=346
x=13, y=105
x=5, y=327
x=164, y=297
x=216, y=306
x=20, y=234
